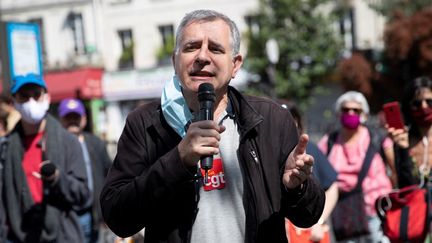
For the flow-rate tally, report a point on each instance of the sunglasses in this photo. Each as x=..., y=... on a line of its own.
x=418, y=103
x=346, y=110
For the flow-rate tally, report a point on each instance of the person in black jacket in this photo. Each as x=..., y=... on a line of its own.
x=73, y=117
x=45, y=181
x=260, y=175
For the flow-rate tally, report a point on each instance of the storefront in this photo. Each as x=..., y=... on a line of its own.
x=84, y=84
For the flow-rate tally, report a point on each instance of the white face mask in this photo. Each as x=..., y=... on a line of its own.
x=174, y=107
x=32, y=111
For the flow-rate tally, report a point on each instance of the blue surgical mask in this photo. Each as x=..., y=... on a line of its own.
x=174, y=106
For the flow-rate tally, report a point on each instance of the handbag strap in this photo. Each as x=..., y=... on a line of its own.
x=371, y=151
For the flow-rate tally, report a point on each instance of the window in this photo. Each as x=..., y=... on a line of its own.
x=167, y=34
x=76, y=24
x=167, y=45
x=125, y=38
x=127, y=57
x=347, y=29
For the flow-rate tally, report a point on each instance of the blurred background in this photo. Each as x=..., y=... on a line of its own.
x=116, y=54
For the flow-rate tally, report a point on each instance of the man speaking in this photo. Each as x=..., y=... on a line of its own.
x=263, y=173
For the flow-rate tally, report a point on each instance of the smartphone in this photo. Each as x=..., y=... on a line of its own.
x=393, y=115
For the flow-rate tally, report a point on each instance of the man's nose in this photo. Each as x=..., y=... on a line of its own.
x=203, y=57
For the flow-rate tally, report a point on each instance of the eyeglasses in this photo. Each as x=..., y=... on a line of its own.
x=347, y=109
x=418, y=103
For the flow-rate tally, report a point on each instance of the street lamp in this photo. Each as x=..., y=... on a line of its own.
x=272, y=51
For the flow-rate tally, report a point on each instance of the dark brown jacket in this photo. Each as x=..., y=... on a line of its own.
x=148, y=186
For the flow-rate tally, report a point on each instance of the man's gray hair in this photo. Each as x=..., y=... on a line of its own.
x=205, y=16
x=352, y=96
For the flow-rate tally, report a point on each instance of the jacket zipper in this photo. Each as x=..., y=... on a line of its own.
x=254, y=156
x=252, y=189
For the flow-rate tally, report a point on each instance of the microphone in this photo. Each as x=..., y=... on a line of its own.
x=48, y=170
x=206, y=98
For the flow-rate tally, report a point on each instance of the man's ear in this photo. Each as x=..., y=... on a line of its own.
x=48, y=97
x=238, y=61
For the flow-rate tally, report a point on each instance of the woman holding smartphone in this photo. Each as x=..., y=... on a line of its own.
x=413, y=144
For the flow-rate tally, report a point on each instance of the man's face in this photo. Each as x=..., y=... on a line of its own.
x=73, y=122
x=205, y=56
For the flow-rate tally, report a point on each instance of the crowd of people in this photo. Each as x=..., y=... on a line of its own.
x=267, y=181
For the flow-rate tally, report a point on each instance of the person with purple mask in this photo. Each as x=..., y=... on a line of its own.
x=347, y=151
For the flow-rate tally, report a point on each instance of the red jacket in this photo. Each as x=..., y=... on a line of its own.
x=148, y=186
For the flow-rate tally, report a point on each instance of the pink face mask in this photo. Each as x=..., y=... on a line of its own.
x=350, y=121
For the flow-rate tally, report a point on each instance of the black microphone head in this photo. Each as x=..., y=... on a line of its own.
x=48, y=169
x=206, y=92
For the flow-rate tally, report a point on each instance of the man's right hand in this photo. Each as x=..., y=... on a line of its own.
x=202, y=138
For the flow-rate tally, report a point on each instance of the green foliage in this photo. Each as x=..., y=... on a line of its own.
x=308, y=45
x=408, y=7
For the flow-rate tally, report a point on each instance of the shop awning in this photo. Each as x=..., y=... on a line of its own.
x=83, y=83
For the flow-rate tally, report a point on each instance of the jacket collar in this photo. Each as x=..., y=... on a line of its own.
x=246, y=116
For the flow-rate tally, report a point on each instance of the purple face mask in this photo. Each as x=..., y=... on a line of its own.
x=350, y=121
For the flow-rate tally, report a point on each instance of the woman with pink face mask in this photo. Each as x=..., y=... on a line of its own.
x=348, y=149
x=413, y=148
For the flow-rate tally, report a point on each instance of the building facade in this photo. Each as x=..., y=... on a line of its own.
x=125, y=39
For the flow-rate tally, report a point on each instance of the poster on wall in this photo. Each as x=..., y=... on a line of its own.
x=20, y=49
x=24, y=49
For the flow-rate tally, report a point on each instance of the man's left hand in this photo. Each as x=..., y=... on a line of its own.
x=299, y=164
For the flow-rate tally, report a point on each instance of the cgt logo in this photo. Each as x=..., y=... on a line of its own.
x=216, y=179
